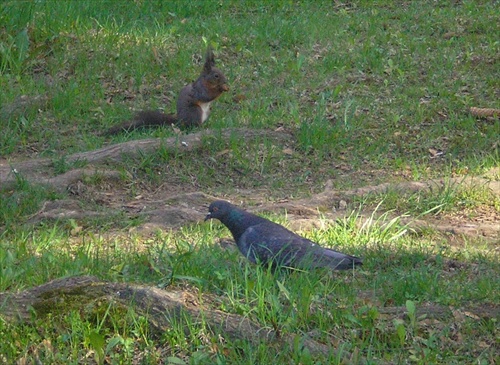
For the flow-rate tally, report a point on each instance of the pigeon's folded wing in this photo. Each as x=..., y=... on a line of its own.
x=269, y=242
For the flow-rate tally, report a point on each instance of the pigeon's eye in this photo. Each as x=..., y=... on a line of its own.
x=215, y=209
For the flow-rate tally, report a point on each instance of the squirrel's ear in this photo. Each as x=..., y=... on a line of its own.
x=209, y=59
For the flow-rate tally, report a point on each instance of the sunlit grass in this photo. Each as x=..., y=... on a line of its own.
x=398, y=267
x=366, y=92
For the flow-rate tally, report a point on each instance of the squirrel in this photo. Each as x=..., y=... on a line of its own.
x=193, y=103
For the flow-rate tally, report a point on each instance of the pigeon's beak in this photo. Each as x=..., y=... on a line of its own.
x=209, y=216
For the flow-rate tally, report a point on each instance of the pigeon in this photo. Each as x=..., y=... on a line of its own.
x=264, y=242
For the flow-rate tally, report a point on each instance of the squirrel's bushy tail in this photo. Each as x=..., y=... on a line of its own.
x=147, y=118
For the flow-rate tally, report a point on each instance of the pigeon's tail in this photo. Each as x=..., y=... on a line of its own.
x=338, y=261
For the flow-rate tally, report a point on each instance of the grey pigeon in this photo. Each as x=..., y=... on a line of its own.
x=266, y=242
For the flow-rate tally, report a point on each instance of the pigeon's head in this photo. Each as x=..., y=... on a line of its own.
x=219, y=209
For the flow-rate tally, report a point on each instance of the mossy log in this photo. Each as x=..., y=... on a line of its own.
x=160, y=307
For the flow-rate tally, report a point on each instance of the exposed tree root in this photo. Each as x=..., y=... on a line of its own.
x=164, y=307
x=173, y=211
x=160, y=307
x=177, y=210
x=41, y=170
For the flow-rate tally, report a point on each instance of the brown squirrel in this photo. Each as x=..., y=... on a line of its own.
x=193, y=103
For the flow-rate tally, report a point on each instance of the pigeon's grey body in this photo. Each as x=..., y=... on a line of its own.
x=266, y=242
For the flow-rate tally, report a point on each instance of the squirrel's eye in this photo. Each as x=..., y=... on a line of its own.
x=216, y=76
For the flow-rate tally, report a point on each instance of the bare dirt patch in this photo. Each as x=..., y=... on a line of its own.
x=172, y=204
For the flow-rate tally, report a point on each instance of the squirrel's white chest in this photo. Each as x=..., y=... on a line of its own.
x=205, y=111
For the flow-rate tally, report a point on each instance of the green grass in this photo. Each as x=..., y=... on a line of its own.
x=398, y=268
x=441, y=198
x=365, y=90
